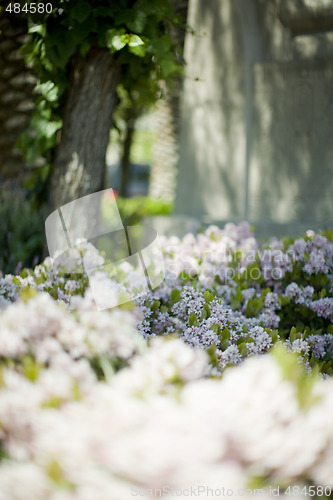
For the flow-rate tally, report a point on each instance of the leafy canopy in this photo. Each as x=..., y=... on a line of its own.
x=137, y=32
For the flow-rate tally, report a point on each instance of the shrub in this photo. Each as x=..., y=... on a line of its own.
x=21, y=231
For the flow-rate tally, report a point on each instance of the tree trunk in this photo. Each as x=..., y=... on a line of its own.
x=163, y=173
x=17, y=83
x=125, y=161
x=79, y=167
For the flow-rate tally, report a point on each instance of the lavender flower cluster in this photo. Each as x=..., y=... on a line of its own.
x=270, y=290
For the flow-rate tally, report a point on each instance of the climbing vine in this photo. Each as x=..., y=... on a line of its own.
x=137, y=32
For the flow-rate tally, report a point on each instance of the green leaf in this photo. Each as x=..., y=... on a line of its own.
x=175, y=295
x=49, y=91
x=76, y=392
x=225, y=334
x=52, y=402
x=330, y=328
x=155, y=305
x=211, y=351
x=243, y=350
x=237, y=299
x=274, y=334
x=81, y=11
x=205, y=312
x=224, y=344
x=28, y=293
x=208, y=296
x=139, y=50
x=58, y=476
x=117, y=43
x=133, y=40
x=184, y=276
x=84, y=48
x=30, y=369
x=138, y=23
x=216, y=328
x=106, y=368
x=49, y=128
x=59, y=49
x=283, y=301
x=294, y=334
x=168, y=67
x=192, y=320
x=38, y=28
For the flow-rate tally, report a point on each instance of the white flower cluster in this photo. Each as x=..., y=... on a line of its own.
x=46, y=330
x=209, y=253
x=67, y=436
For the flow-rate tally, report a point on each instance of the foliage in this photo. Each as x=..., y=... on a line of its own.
x=137, y=32
x=81, y=387
x=280, y=291
x=21, y=231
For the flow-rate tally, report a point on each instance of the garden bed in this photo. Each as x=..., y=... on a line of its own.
x=219, y=378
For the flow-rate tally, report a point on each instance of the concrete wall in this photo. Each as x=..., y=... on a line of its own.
x=212, y=145
x=256, y=114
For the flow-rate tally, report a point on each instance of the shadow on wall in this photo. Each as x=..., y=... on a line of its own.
x=255, y=123
x=290, y=177
x=212, y=137
x=292, y=153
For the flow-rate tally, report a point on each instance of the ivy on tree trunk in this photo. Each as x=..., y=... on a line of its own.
x=79, y=166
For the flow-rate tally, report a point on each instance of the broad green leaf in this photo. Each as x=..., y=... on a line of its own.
x=81, y=11
x=117, y=43
x=224, y=344
x=138, y=23
x=52, y=402
x=37, y=28
x=216, y=328
x=28, y=293
x=212, y=355
x=156, y=305
x=133, y=40
x=138, y=50
x=192, y=320
x=294, y=334
x=30, y=369
x=208, y=296
x=207, y=309
x=175, y=295
x=243, y=350
x=204, y=314
x=168, y=67
x=225, y=334
x=48, y=90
